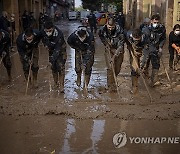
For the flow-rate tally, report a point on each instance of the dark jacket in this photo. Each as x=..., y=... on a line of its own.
x=116, y=39
x=174, y=39
x=83, y=46
x=25, y=21
x=4, y=24
x=4, y=42
x=55, y=42
x=156, y=36
x=24, y=47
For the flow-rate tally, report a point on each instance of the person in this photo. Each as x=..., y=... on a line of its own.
x=53, y=39
x=83, y=42
x=25, y=20
x=92, y=22
x=156, y=34
x=112, y=36
x=121, y=20
x=4, y=22
x=13, y=31
x=27, y=46
x=32, y=20
x=41, y=21
x=174, y=47
x=145, y=23
x=136, y=42
x=4, y=51
x=145, y=61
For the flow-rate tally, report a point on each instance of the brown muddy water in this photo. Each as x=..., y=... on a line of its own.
x=62, y=135
x=47, y=121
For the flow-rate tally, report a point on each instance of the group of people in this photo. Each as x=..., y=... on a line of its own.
x=52, y=38
x=144, y=44
x=28, y=20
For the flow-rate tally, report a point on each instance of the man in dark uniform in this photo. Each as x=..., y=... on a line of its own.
x=156, y=34
x=53, y=39
x=27, y=45
x=4, y=22
x=135, y=43
x=112, y=35
x=5, y=42
x=25, y=20
x=92, y=22
x=83, y=42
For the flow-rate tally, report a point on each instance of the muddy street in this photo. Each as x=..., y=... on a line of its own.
x=45, y=121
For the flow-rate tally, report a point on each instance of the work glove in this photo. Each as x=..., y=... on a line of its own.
x=118, y=51
x=51, y=59
x=26, y=58
x=55, y=54
x=160, y=52
x=89, y=52
x=3, y=54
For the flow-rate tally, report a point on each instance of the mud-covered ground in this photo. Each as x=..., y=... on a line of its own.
x=40, y=105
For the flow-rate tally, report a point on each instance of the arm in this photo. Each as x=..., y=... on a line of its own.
x=71, y=41
x=163, y=38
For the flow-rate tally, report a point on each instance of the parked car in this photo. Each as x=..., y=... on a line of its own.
x=72, y=15
x=101, y=18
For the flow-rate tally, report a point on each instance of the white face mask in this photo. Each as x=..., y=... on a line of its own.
x=49, y=33
x=29, y=41
x=155, y=25
x=177, y=32
x=82, y=38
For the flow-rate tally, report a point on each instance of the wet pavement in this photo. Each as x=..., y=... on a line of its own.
x=60, y=135
x=44, y=120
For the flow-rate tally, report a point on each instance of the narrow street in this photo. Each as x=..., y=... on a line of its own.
x=47, y=121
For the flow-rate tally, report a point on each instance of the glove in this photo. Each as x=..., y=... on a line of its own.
x=4, y=54
x=55, y=54
x=118, y=51
x=160, y=52
x=89, y=52
x=26, y=58
x=51, y=59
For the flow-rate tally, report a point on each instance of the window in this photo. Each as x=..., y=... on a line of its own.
x=178, y=12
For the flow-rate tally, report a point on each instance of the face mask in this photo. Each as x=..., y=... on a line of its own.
x=82, y=38
x=49, y=33
x=12, y=18
x=29, y=41
x=177, y=32
x=155, y=25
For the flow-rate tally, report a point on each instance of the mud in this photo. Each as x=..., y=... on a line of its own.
x=45, y=121
x=61, y=135
x=99, y=102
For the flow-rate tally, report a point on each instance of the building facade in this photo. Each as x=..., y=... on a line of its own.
x=137, y=10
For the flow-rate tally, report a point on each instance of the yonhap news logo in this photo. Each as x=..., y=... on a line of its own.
x=121, y=139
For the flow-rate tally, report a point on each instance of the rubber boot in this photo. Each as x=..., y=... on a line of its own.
x=78, y=81
x=55, y=77
x=26, y=78
x=146, y=72
x=154, y=78
x=110, y=81
x=170, y=65
x=61, y=82
x=9, y=75
x=87, y=79
x=35, y=84
x=134, y=85
x=175, y=65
